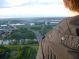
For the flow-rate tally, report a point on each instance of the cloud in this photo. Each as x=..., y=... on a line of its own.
x=32, y=8
x=15, y=3
x=35, y=11
x=2, y=3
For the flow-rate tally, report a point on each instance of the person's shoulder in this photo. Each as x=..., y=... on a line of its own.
x=61, y=26
x=64, y=20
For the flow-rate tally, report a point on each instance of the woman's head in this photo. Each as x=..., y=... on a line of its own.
x=72, y=5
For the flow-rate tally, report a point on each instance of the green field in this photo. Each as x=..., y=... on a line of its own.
x=27, y=48
x=19, y=51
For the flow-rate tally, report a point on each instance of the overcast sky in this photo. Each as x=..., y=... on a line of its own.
x=31, y=8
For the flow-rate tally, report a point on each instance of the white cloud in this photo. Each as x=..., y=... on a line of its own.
x=34, y=10
x=16, y=2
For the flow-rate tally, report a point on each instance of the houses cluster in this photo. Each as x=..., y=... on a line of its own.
x=6, y=29
x=14, y=42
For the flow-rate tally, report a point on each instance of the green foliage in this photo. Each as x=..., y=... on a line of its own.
x=3, y=49
x=4, y=52
x=32, y=42
x=46, y=29
x=22, y=51
x=21, y=33
x=36, y=27
x=26, y=53
x=42, y=29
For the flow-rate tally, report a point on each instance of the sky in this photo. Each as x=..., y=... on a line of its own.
x=32, y=8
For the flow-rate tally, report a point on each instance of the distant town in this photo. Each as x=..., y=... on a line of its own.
x=10, y=24
x=24, y=34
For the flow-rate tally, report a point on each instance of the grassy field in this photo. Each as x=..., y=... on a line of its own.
x=28, y=51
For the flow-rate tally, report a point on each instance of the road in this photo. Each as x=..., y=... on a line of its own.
x=37, y=34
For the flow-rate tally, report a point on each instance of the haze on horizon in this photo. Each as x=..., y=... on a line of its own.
x=31, y=8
